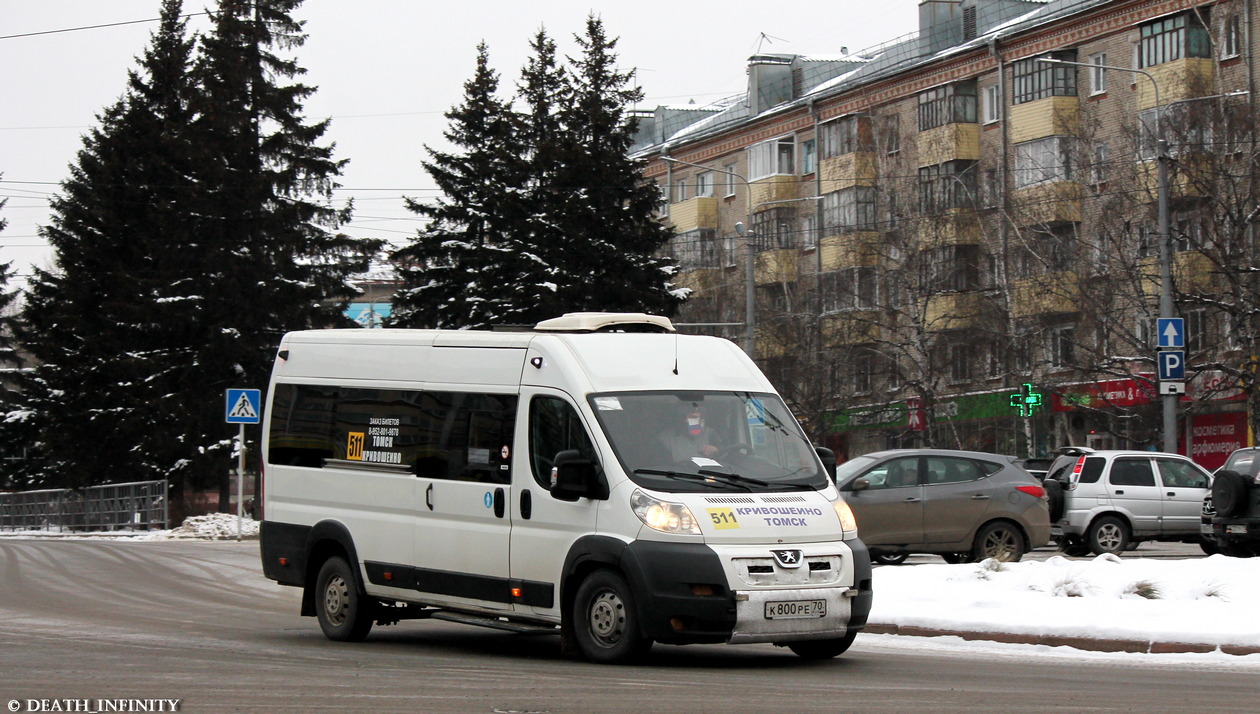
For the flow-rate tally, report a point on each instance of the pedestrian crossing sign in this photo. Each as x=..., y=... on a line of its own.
x=244, y=406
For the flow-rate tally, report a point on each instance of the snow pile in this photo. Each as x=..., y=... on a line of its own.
x=214, y=526
x=1202, y=600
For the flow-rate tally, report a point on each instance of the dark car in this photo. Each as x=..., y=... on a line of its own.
x=963, y=505
x=1236, y=501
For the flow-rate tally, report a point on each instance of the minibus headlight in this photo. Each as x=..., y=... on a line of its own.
x=848, y=521
x=663, y=516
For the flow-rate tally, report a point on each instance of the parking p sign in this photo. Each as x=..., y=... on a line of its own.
x=244, y=406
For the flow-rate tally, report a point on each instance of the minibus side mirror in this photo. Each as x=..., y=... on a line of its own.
x=829, y=460
x=574, y=476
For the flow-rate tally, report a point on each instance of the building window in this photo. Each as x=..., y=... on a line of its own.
x=948, y=185
x=1098, y=73
x=1042, y=160
x=809, y=231
x=771, y=158
x=809, y=157
x=1173, y=38
x=1098, y=170
x=960, y=359
x=1033, y=79
x=1046, y=251
x=730, y=179
x=696, y=249
x=949, y=104
x=953, y=268
x=992, y=103
x=731, y=247
x=846, y=135
x=1184, y=130
x=863, y=375
x=1231, y=37
x=850, y=209
x=890, y=133
x=848, y=289
x=773, y=230
x=704, y=184
x=1062, y=347
x=1196, y=325
x=680, y=190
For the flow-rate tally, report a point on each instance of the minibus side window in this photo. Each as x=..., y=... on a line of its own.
x=466, y=436
x=554, y=426
x=301, y=425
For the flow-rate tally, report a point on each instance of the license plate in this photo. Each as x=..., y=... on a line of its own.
x=1205, y=529
x=793, y=609
x=1236, y=529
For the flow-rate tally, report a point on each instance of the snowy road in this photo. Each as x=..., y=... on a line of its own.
x=196, y=621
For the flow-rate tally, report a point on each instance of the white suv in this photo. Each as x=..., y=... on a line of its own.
x=1114, y=499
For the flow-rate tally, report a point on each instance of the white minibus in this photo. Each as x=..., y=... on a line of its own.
x=598, y=476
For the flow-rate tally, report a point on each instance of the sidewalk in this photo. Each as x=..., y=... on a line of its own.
x=1090, y=644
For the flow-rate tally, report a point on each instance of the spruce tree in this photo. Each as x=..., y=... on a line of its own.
x=611, y=234
x=273, y=259
x=98, y=324
x=467, y=266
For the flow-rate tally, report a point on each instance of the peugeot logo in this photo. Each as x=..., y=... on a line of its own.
x=788, y=558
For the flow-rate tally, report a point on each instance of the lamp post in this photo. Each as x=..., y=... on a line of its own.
x=1165, y=259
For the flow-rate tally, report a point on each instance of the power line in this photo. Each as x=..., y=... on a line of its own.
x=95, y=27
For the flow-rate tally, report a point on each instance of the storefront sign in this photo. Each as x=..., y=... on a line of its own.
x=1213, y=437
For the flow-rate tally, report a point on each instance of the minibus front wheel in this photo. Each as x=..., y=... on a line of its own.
x=606, y=623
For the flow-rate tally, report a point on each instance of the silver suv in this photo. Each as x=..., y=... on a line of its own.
x=1114, y=499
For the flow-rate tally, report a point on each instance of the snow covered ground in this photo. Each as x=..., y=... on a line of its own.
x=1208, y=601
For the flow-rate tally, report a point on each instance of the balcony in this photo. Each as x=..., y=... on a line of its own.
x=949, y=142
x=1049, y=294
x=1178, y=80
x=702, y=281
x=1052, y=116
x=780, y=187
x=693, y=214
x=847, y=170
x=850, y=327
x=953, y=311
x=849, y=250
x=1047, y=204
x=956, y=228
x=1191, y=271
x=776, y=266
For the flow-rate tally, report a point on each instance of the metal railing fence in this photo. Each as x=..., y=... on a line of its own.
x=141, y=505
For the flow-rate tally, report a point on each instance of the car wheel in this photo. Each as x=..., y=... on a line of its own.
x=823, y=649
x=344, y=613
x=1074, y=547
x=1054, y=496
x=1108, y=534
x=891, y=558
x=1000, y=541
x=1229, y=493
x=1208, y=546
x=956, y=558
x=606, y=624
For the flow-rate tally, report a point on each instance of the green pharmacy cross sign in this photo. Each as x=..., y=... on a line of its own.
x=1026, y=401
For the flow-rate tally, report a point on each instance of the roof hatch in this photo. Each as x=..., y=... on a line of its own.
x=606, y=322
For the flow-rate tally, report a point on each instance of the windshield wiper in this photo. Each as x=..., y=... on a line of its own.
x=714, y=479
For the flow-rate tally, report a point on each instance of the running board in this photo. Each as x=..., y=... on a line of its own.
x=494, y=623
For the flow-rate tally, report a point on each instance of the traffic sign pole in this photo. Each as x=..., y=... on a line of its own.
x=244, y=406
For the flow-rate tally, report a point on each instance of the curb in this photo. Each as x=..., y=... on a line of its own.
x=1091, y=644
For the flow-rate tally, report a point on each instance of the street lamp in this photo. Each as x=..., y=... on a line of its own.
x=1165, y=259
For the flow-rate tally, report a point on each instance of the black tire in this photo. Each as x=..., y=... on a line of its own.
x=823, y=649
x=605, y=621
x=345, y=614
x=956, y=558
x=1109, y=534
x=1054, y=495
x=1229, y=493
x=1001, y=541
x=890, y=558
x=1074, y=547
x=1208, y=546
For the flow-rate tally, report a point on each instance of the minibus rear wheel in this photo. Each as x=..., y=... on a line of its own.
x=606, y=624
x=344, y=613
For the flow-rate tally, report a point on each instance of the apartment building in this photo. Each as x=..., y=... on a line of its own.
x=953, y=238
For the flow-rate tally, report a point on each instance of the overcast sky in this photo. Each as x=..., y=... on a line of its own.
x=386, y=70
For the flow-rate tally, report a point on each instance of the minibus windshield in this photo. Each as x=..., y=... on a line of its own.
x=708, y=441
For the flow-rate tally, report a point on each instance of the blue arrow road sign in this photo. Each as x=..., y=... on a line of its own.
x=1171, y=331
x=244, y=406
x=1172, y=366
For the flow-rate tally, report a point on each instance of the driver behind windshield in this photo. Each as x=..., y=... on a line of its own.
x=686, y=435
